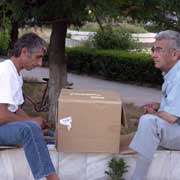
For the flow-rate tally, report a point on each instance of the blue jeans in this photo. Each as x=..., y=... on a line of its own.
x=29, y=135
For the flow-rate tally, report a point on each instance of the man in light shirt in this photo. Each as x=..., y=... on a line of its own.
x=160, y=126
x=17, y=127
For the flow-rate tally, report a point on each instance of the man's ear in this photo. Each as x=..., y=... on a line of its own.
x=176, y=54
x=24, y=51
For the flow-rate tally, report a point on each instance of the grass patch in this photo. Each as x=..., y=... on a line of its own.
x=35, y=91
x=132, y=114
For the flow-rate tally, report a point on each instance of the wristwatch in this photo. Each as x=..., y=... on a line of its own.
x=178, y=120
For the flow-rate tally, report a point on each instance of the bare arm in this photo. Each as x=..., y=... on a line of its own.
x=7, y=116
x=166, y=116
x=21, y=112
x=151, y=108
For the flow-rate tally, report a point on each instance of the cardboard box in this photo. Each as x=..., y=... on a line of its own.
x=96, y=121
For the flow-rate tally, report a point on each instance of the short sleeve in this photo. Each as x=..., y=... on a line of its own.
x=7, y=88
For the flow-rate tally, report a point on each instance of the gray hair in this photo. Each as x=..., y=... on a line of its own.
x=172, y=36
x=31, y=41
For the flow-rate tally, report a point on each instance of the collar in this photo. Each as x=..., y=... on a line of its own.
x=171, y=72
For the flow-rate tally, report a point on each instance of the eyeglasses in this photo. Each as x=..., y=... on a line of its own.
x=159, y=49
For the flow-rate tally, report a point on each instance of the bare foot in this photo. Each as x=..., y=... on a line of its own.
x=53, y=177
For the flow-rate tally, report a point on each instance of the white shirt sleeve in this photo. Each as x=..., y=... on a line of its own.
x=7, y=88
x=10, y=90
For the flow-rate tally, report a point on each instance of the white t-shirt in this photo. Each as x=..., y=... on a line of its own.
x=10, y=85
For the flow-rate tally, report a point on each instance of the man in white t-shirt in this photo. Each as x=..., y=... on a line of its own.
x=17, y=127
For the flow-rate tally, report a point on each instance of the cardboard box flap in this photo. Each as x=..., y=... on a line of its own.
x=124, y=144
x=89, y=95
x=123, y=117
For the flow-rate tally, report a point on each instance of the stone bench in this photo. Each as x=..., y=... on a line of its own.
x=87, y=166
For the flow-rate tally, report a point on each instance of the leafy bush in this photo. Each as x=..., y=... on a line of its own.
x=114, y=65
x=4, y=35
x=153, y=28
x=116, y=169
x=4, y=42
x=109, y=39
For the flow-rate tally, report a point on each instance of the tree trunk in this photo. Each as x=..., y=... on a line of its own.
x=57, y=66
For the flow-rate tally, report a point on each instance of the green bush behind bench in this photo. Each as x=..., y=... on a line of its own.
x=115, y=65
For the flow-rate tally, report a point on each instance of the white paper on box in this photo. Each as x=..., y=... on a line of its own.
x=66, y=122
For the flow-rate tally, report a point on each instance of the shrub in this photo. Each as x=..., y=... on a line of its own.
x=116, y=169
x=4, y=42
x=153, y=27
x=109, y=39
x=114, y=65
x=5, y=35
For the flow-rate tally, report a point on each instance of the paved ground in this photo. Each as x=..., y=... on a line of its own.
x=130, y=93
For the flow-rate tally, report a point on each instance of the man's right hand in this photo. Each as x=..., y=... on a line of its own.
x=151, y=107
x=41, y=122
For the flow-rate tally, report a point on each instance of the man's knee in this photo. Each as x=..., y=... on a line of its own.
x=33, y=124
x=147, y=120
x=30, y=128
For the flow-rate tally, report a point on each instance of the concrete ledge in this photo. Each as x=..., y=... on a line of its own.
x=88, y=166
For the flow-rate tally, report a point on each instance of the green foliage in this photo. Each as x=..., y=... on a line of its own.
x=15, y=10
x=115, y=65
x=164, y=13
x=126, y=27
x=109, y=39
x=68, y=35
x=4, y=35
x=153, y=28
x=130, y=27
x=69, y=11
x=4, y=42
x=116, y=169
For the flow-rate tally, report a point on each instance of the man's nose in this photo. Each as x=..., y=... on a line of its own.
x=39, y=62
x=153, y=54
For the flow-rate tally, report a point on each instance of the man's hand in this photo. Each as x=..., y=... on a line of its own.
x=42, y=122
x=39, y=120
x=151, y=108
